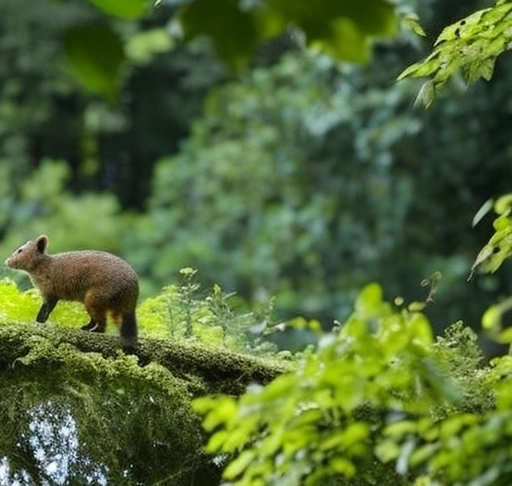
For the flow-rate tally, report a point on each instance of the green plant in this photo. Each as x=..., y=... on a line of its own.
x=381, y=401
x=381, y=371
x=491, y=258
x=185, y=312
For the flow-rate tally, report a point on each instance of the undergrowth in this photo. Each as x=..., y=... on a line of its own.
x=181, y=312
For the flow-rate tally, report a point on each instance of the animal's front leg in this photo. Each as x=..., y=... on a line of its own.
x=46, y=309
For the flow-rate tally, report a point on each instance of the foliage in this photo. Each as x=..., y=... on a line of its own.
x=491, y=258
x=184, y=312
x=74, y=409
x=80, y=417
x=339, y=28
x=499, y=247
x=469, y=46
x=180, y=313
x=335, y=167
x=44, y=205
x=370, y=395
x=325, y=160
x=340, y=182
x=109, y=144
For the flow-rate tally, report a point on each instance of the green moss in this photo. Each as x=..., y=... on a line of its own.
x=131, y=414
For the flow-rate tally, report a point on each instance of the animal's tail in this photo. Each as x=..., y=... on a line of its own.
x=129, y=331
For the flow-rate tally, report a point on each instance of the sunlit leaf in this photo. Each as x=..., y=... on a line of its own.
x=369, y=300
x=492, y=316
x=239, y=464
x=503, y=204
x=483, y=256
x=142, y=46
x=416, y=306
x=412, y=21
x=470, y=46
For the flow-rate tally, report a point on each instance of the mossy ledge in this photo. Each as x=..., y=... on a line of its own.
x=131, y=413
x=204, y=370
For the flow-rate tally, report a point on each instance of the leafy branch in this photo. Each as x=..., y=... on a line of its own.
x=469, y=46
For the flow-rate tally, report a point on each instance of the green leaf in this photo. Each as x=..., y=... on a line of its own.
x=483, y=211
x=492, y=316
x=421, y=328
x=483, y=256
x=239, y=464
x=412, y=22
x=343, y=466
x=369, y=300
x=426, y=94
x=142, y=46
x=233, y=31
x=504, y=204
x=95, y=58
x=416, y=306
x=342, y=29
x=125, y=9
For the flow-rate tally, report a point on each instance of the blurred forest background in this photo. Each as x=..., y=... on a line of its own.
x=300, y=177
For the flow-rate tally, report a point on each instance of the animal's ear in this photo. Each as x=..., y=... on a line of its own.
x=42, y=243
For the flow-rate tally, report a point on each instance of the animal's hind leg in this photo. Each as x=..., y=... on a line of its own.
x=90, y=326
x=98, y=314
x=98, y=321
x=117, y=317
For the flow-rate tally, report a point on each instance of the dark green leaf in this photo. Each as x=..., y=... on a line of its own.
x=95, y=58
x=125, y=9
x=343, y=29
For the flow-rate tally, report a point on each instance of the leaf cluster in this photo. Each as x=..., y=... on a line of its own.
x=469, y=46
x=491, y=258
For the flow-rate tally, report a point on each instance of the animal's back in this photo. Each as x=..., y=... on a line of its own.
x=70, y=275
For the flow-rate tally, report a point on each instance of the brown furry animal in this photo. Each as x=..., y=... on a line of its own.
x=102, y=281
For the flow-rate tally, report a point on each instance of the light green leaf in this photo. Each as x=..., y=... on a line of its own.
x=369, y=300
x=239, y=464
x=416, y=306
x=219, y=411
x=483, y=256
x=491, y=320
x=142, y=47
x=412, y=21
x=503, y=204
x=470, y=46
x=343, y=466
x=421, y=328
x=426, y=94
